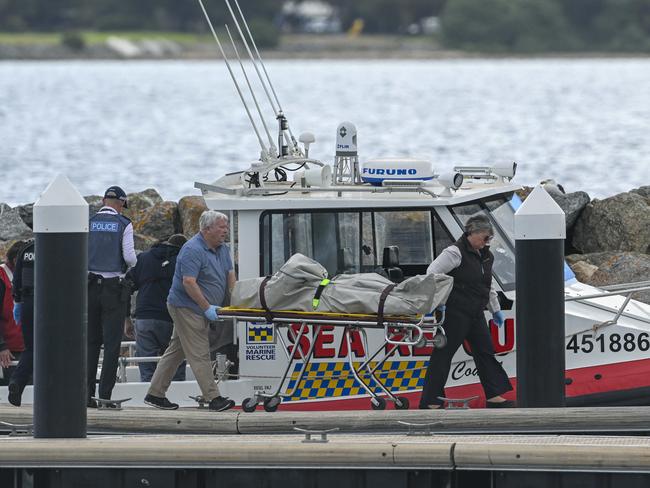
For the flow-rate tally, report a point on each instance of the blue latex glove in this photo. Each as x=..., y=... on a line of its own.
x=498, y=318
x=18, y=312
x=211, y=313
x=442, y=308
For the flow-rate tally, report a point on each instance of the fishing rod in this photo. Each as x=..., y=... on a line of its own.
x=250, y=88
x=265, y=152
x=282, y=120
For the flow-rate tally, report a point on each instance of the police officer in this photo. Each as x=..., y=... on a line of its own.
x=110, y=253
x=23, y=293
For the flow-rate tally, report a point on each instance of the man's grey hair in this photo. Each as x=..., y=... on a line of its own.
x=478, y=223
x=209, y=218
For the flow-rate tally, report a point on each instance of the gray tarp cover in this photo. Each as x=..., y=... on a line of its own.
x=294, y=285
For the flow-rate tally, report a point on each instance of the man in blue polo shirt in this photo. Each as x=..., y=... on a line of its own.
x=204, y=273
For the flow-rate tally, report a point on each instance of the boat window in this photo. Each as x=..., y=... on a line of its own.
x=410, y=231
x=351, y=241
x=503, y=211
x=501, y=246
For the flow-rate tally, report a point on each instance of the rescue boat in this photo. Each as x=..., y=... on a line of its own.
x=345, y=224
x=345, y=216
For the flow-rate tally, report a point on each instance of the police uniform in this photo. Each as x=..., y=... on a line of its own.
x=465, y=320
x=110, y=254
x=23, y=292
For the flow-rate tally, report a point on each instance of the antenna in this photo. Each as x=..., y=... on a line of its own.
x=243, y=70
x=250, y=54
x=265, y=152
x=284, y=125
x=248, y=31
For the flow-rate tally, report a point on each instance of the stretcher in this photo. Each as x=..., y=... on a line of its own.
x=398, y=331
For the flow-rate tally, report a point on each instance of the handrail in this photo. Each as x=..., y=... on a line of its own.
x=624, y=292
x=623, y=286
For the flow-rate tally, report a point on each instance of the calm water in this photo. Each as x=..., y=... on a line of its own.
x=585, y=123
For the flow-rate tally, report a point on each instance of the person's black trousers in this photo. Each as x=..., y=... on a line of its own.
x=460, y=326
x=25, y=368
x=106, y=313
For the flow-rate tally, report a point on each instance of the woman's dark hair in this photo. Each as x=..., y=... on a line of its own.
x=478, y=223
x=13, y=251
x=177, y=240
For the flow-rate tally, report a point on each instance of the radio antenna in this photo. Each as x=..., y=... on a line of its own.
x=284, y=125
x=265, y=152
x=257, y=52
x=250, y=88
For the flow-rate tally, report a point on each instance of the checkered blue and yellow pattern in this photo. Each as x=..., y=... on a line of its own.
x=260, y=334
x=334, y=379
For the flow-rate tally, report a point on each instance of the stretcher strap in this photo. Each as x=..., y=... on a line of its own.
x=382, y=302
x=319, y=291
x=269, y=314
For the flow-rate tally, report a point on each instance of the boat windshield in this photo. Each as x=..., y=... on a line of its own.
x=352, y=241
x=501, y=211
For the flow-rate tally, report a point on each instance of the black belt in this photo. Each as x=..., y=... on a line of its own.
x=99, y=279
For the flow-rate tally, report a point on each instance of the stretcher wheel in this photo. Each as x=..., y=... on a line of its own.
x=378, y=403
x=271, y=404
x=402, y=403
x=248, y=405
x=439, y=341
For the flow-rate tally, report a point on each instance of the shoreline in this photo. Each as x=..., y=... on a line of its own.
x=323, y=47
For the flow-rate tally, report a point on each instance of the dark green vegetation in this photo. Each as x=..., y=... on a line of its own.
x=547, y=25
x=477, y=25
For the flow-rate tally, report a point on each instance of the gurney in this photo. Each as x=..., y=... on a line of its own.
x=399, y=330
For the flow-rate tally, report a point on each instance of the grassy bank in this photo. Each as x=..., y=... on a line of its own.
x=94, y=37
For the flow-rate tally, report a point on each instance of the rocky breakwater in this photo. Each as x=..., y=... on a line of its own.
x=153, y=218
x=608, y=240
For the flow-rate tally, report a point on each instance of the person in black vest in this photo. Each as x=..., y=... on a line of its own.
x=110, y=253
x=23, y=293
x=152, y=276
x=469, y=261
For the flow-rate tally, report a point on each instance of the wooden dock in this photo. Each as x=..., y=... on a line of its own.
x=384, y=449
x=362, y=451
x=146, y=420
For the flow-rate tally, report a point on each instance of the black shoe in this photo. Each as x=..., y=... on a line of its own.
x=219, y=404
x=15, y=394
x=91, y=403
x=160, y=402
x=506, y=404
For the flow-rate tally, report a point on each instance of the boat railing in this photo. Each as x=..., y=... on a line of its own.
x=627, y=290
x=220, y=365
x=283, y=188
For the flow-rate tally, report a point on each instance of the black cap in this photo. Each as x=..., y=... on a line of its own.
x=116, y=192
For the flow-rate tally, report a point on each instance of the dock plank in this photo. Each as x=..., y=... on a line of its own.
x=522, y=452
x=196, y=421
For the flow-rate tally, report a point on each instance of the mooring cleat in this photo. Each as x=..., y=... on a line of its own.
x=103, y=403
x=457, y=403
x=19, y=429
x=200, y=400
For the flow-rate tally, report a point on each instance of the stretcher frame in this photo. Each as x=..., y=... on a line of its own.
x=398, y=331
